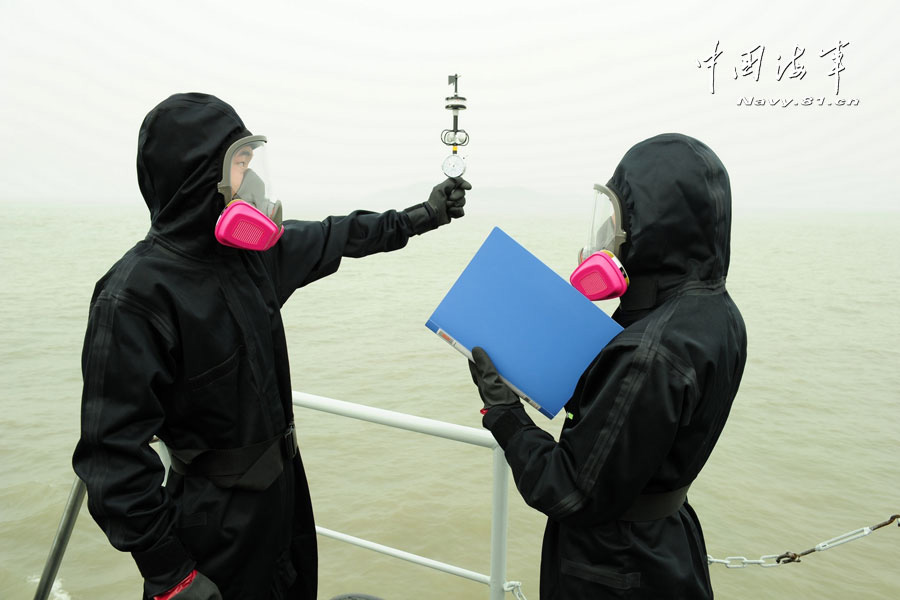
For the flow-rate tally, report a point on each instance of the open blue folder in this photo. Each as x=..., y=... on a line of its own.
x=540, y=332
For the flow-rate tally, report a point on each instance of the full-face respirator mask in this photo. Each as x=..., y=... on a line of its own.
x=600, y=275
x=251, y=219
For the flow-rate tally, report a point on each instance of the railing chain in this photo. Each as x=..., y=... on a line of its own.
x=776, y=560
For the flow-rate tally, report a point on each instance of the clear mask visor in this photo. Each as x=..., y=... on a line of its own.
x=246, y=176
x=606, y=232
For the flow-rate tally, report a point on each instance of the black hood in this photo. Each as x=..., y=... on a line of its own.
x=676, y=199
x=181, y=145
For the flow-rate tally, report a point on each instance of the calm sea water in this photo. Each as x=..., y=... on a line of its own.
x=809, y=452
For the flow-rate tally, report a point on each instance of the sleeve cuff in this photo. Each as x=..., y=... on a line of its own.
x=504, y=422
x=422, y=218
x=163, y=566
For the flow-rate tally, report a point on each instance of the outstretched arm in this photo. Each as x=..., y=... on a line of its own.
x=310, y=250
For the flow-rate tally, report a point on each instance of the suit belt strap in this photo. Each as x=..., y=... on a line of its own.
x=252, y=467
x=650, y=507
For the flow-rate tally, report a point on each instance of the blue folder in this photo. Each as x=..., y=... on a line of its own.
x=540, y=332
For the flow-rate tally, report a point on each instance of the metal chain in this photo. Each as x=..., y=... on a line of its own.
x=776, y=560
x=516, y=588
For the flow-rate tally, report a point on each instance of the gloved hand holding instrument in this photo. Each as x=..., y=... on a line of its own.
x=445, y=202
x=447, y=199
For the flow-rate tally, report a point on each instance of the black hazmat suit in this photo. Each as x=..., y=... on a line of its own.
x=185, y=341
x=647, y=412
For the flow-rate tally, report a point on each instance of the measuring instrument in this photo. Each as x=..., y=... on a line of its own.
x=454, y=165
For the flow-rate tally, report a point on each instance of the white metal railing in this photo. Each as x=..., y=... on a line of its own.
x=496, y=580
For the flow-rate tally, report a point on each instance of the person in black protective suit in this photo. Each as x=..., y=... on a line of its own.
x=185, y=342
x=646, y=413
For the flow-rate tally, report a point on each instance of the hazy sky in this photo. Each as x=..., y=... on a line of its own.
x=351, y=93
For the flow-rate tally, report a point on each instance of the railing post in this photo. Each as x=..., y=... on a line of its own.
x=499, y=522
x=51, y=567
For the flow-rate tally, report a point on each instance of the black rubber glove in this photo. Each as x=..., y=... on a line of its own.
x=448, y=199
x=445, y=202
x=491, y=388
x=196, y=586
